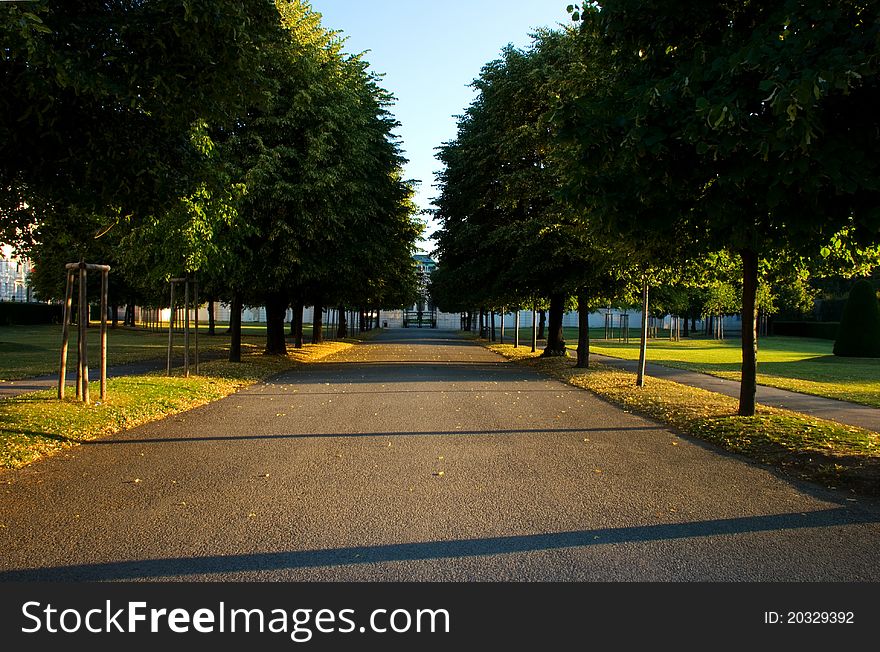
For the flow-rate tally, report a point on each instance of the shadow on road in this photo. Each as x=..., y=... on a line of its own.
x=431, y=550
x=342, y=435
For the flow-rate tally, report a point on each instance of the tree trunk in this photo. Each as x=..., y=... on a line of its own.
x=212, y=324
x=482, y=323
x=643, y=343
x=318, y=323
x=555, y=339
x=114, y=315
x=276, y=308
x=542, y=320
x=503, y=313
x=748, y=384
x=296, y=324
x=583, y=350
x=235, y=329
x=493, y=325
x=342, y=327
x=687, y=319
x=534, y=329
x=516, y=330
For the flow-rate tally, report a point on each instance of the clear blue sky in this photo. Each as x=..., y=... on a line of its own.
x=429, y=51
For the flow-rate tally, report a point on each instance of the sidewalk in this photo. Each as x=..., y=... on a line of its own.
x=24, y=385
x=851, y=414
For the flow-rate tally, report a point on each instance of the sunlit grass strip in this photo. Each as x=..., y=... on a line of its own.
x=36, y=424
x=29, y=351
x=814, y=449
x=795, y=364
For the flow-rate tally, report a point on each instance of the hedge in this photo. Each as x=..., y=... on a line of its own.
x=822, y=330
x=20, y=313
x=859, y=334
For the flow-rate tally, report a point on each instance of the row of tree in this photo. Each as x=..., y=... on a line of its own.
x=235, y=140
x=652, y=145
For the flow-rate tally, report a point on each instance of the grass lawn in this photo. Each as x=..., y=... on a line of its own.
x=36, y=424
x=28, y=351
x=833, y=454
x=794, y=363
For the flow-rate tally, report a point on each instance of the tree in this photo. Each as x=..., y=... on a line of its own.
x=101, y=99
x=639, y=209
x=326, y=217
x=503, y=222
x=771, y=103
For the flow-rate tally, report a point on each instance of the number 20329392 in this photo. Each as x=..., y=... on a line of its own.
x=809, y=617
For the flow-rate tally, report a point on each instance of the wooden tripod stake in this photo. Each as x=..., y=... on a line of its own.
x=187, y=282
x=82, y=363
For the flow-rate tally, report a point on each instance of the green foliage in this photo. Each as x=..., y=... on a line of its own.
x=507, y=237
x=100, y=99
x=235, y=140
x=746, y=126
x=859, y=333
x=326, y=215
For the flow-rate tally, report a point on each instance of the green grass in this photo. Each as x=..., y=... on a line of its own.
x=36, y=424
x=28, y=351
x=833, y=454
x=794, y=363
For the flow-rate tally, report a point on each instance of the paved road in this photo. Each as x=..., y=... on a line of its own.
x=419, y=456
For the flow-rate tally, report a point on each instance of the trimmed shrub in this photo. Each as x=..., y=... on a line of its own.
x=859, y=334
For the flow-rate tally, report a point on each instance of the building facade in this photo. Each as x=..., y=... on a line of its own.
x=13, y=276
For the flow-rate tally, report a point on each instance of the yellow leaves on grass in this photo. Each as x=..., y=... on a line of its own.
x=837, y=453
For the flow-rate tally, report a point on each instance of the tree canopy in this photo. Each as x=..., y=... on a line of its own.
x=237, y=140
x=671, y=135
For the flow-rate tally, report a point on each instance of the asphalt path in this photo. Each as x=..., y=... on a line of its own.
x=420, y=456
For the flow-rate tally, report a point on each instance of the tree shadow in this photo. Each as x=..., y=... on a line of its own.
x=343, y=435
x=433, y=550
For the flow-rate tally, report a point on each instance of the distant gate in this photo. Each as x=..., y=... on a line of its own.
x=420, y=318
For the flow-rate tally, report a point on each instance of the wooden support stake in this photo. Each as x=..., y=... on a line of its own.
x=516, y=330
x=104, y=285
x=83, y=330
x=186, y=328
x=196, y=302
x=534, y=328
x=170, y=331
x=65, y=334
